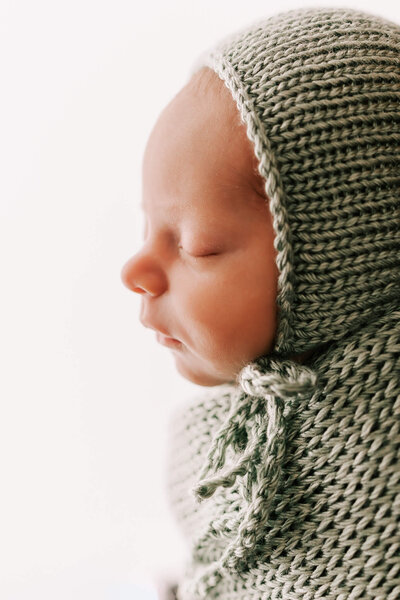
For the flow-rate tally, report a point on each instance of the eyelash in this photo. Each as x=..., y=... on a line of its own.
x=209, y=255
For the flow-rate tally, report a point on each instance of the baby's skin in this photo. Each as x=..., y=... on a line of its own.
x=206, y=271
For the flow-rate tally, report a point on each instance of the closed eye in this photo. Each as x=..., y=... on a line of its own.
x=198, y=256
x=205, y=255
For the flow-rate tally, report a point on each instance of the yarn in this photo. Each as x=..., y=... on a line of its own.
x=269, y=392
x=319, y=92
x=287, y=484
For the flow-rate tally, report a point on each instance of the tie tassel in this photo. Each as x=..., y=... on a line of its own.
x=255, y=429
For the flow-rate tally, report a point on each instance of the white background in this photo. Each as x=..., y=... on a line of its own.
x=85, y=393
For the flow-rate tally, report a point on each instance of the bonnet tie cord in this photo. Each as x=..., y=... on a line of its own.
x=268, y=387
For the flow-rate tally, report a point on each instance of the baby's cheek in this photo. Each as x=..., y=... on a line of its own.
x=216, y=315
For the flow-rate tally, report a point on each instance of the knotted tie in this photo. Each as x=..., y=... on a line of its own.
x=255, y=428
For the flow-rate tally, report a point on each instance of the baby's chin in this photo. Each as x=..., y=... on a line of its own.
x=201, y=375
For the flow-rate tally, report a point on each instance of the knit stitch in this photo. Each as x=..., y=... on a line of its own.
x=287, y=484
x=333, y=526
x=319, y=91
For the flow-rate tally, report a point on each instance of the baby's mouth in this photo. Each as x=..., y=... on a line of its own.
x=168, y=341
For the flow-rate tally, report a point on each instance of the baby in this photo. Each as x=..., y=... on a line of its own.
x=271, y=269
x=207, y=270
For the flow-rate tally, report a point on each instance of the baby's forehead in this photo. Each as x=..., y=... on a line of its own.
x=233, y=129
x=200, y=141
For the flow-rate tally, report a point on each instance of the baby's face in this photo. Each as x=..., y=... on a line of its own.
x=206, y=271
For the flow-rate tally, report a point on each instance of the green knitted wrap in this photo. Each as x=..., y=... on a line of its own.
x=286, y=484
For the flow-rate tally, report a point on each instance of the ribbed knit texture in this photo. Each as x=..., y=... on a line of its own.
x=333, y=529
x=287, y=484
x=319, y=91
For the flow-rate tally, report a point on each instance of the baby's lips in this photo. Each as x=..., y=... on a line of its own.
x=159, y=330
x=168, y=341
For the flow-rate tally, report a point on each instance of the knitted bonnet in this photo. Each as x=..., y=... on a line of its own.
x=319, y=93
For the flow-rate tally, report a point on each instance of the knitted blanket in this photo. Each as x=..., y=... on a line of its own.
x=329, y=526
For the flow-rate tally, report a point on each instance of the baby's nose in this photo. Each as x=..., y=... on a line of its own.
x=140, y=275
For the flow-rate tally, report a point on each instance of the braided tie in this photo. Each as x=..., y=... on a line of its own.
x=267, y=389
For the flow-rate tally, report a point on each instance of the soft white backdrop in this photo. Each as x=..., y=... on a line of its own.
x=85, y=393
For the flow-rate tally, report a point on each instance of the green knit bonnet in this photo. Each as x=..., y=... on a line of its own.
x=319, y=92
